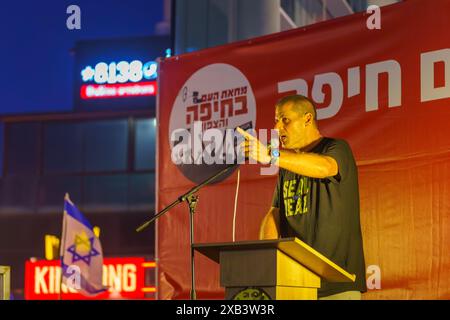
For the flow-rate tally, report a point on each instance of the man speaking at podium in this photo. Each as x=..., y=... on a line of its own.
x=316, y=198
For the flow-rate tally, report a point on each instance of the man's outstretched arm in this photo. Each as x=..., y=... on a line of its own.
x=305, y=163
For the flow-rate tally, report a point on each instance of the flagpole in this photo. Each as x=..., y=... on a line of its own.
x=62, y=247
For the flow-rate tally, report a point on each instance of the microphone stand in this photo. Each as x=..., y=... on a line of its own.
x=192, y=200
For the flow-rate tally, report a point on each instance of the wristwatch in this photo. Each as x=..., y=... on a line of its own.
x=274, y=155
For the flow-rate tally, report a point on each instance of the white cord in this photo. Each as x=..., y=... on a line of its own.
x=235, y=204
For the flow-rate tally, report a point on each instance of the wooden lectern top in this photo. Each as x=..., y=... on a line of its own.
x=293, y=247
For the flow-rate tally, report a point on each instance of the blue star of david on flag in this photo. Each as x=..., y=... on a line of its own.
x=79, y=256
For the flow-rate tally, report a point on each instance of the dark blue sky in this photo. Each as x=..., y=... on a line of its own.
x=36, y=65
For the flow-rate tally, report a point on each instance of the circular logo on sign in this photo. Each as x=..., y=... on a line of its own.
x=251, y=294
x=211, y=104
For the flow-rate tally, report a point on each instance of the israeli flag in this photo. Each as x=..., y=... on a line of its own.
x=81, y=253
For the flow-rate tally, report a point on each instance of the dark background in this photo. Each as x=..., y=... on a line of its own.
x=35, y=55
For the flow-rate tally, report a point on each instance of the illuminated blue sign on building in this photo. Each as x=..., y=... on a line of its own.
x=118, y=73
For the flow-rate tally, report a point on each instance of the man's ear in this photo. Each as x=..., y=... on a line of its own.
x=308, y=119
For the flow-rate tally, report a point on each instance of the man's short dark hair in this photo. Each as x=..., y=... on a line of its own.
x=300, y=101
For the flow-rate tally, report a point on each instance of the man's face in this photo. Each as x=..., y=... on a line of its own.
x=291, y=125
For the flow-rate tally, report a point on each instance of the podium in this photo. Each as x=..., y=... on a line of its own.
x=282, y=269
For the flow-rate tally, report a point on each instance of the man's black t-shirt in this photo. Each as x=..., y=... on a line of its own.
x=324, y=213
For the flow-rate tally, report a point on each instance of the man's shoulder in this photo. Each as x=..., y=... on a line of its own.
x=331, y=140
x=336, y=142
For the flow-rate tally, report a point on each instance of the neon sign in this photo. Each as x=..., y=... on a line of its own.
x=116, y=80
x=120, y=72
x=93, y=91
x=125, y=278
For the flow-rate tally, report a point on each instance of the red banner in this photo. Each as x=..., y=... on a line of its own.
x=386, y=91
